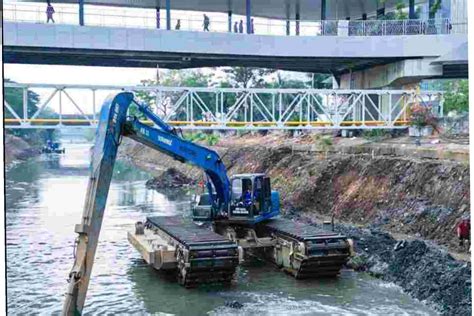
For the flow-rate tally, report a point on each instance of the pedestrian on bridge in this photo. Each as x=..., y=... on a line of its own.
x=49, y=13
x=236, y=27
x=206, y=23
x=178, y=25
x=252, y=29
x=241, y=26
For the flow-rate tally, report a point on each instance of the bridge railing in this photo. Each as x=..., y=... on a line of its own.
x=147, y=19
x=223, y=108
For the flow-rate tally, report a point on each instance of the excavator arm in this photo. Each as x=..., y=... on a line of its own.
x=113, y=125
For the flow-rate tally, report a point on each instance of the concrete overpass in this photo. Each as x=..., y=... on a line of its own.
x=29, y=43
x=360, y=53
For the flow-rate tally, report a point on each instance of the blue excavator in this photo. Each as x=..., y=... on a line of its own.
x=242, y=210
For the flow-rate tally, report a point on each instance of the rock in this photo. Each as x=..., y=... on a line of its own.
x=401, y=244
x=234, y=304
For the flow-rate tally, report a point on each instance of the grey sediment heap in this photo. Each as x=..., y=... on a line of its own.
x=18, y=149
x=390, y=188
x=170, y=178
x=422, y=269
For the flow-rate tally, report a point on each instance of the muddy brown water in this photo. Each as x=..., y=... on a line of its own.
x=44, y=199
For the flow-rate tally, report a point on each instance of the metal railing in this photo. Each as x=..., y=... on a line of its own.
x=225, y=108
x=399, y=27
x=147, y=19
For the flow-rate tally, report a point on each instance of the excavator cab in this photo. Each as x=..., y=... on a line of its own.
x=252, y=199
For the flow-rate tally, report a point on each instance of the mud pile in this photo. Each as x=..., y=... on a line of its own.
x=18, y=149
x=171, y=178
x=420, y=268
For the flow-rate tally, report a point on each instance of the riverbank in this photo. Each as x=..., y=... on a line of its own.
x=17, y=149
x=391, y=187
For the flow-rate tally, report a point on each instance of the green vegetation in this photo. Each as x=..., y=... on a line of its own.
x=323, y=142
x=457, y=96
x=400, y=13
x=375, y=134
x=434, y=8
x=209, y=139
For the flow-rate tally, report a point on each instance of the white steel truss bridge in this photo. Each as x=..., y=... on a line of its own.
x=191, y=108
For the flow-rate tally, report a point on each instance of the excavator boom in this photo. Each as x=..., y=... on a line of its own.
x=241, y=212
x=113, y=125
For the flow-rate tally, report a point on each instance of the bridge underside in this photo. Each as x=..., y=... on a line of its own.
x=143, y=59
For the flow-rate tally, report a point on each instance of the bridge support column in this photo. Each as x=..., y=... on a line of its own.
x=229, y=16
x=248, y=13
x=411, y=10
x=81, y=12
x=323, y=10
x=287, y=18
x=297, y=18
x=158, y=18
x=168, y=14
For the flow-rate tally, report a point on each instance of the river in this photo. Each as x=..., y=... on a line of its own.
x=44, y=200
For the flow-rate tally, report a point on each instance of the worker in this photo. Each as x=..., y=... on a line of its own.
x=464, y=231
x=247, y=198
x=49, y=13
x=178, y=25
x=236, y=27
x=206, y=23
x=241, y=26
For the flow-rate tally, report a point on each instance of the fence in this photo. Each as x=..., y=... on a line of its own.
x=96, y=16
x=225, y=108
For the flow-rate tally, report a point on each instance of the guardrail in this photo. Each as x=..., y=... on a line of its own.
x=227, y=108
x=147, y=19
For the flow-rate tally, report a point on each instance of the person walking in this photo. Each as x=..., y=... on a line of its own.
x=178, y=25
x=252, y=30
x=206, y=23
x=241, y=26
x=49, y=13
x=236, y=27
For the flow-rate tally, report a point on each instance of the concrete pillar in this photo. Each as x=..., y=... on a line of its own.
x=81, y=12
x=248, y=13
x=158, y=21
x=287, y=18
x=297, y=18
x=229, y=16
x=430, y=4
x=411, y=10
x=168, y=14
x=323, y=10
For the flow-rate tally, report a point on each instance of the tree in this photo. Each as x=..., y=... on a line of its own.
x=247, y=77
x=434, y=8
x=167, y=100
x=319, y=81
x=457, y=96
x=400, y=13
